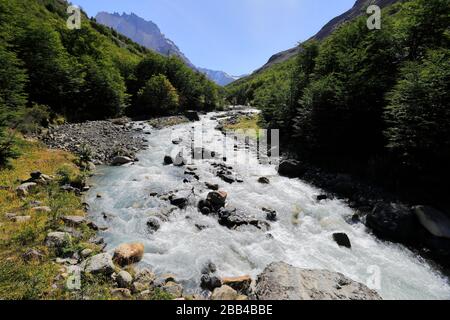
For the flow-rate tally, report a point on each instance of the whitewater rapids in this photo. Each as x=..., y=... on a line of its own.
x=302, y=236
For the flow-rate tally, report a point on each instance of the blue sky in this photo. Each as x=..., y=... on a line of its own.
x=235, y=36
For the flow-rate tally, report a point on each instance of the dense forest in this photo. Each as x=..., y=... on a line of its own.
x=372, y=102
x=49, y=73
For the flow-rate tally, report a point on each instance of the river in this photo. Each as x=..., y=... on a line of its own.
x=302, y=236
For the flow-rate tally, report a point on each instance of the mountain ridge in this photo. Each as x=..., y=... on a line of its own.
x=148, y=34
x=357, y=10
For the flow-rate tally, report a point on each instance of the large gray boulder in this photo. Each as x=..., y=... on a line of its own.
x=436, y=222
x=281, y=281
x=99, y=264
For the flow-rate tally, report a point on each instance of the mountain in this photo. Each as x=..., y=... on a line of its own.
x=148, y=34
x=358, y=9
x=219, y=77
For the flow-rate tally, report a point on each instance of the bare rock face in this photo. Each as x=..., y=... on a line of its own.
x=129, y=253
x=281, y=281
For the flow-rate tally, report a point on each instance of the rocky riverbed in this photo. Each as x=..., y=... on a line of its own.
x=101, y=140
x=211, y=220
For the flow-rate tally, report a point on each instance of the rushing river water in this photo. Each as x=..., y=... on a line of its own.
x=302, y=236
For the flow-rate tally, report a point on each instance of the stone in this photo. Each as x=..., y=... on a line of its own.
x=21, y=219
x=153, y=224
x=224, y=293
x=281, y=281
x=342, y=240
x=264, y=180
x=217, y=198
x=124, y=279
x=291, y=168
x=393, y=222
x=121, y=294
x=121, y=160
x=58, y=240
x=179, y=161
x=173, y=288
x=271, y=215
x=321, y=197
x=209, y=268
x=192, y=115
x=86, y=253
x=32, y=255
x=127, y=254
x=208, y=282
x=437, y=223
x=99, y=264
x=205, y=211
x=145, y=276
x=41, y=209
x=240, y=284
x=212, y=186
x=180, y=201
x=138, y=287
x=74, y=221
x=168, y=160
x=24, y=189
x=233, y=219
x=227, y=178
x=177, y=141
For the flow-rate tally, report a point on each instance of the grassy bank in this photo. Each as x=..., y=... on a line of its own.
x=249, y=124
x=40, y=277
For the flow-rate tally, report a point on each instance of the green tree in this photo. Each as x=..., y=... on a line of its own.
x=418, y=114
x=102, y=94
x=53, y=78
x=12, y=99
x=158, y=97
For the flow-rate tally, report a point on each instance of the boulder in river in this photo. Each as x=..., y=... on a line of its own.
x=153, y=224
x=264, y=180
x=234, y=218
x=180, y=200
x=436, y=222
x=129, y=253
x=121, y=160
x=217, y=198
x=192, y=115
x=168, y=160
x=281, y=281
x=208, y=282
x=342, y=240
x=271, y=215
x=211, y=186
x=291, y=168
x=393, y=222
